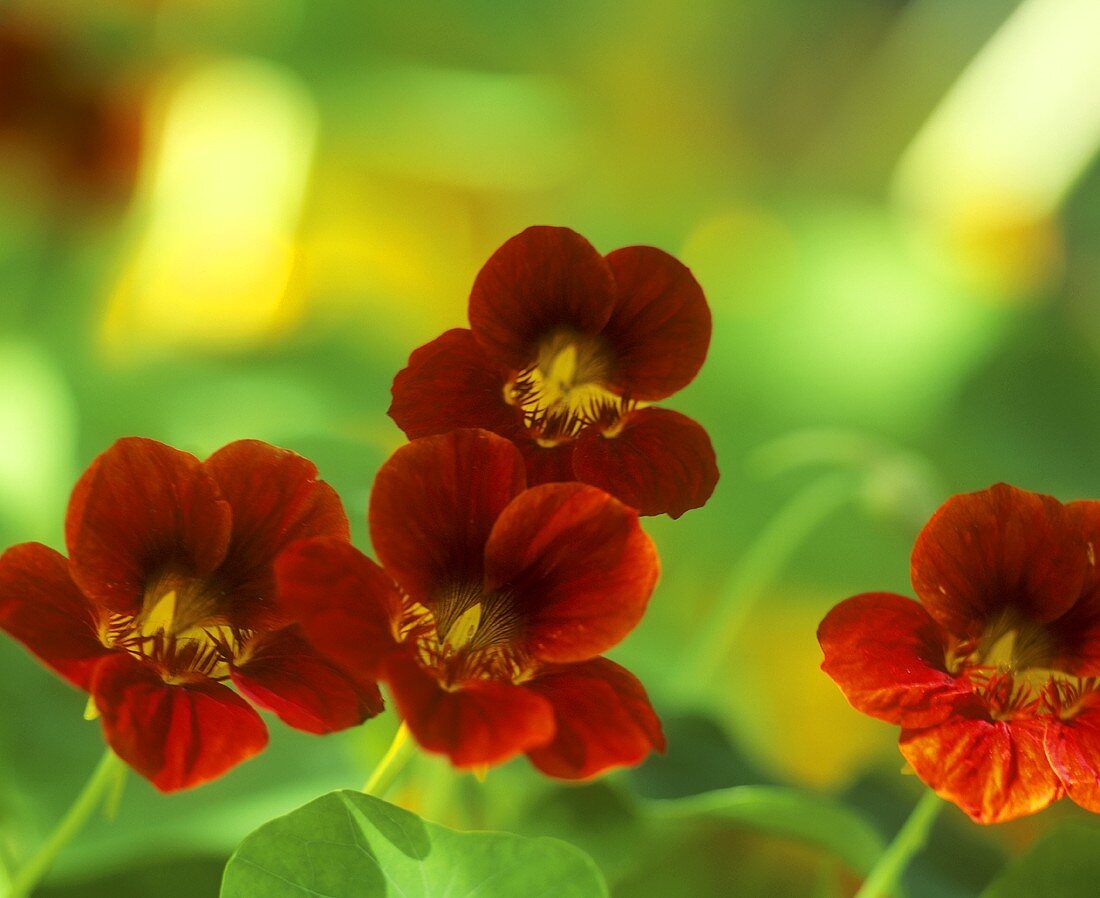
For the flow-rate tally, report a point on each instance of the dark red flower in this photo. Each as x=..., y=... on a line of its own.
x=992, y=677
x=491, y=608
x=168, y=593
x=566, y=349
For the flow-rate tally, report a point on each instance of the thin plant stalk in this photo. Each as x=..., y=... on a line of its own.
x=103, y=779
x=392, y=763
x=910, y=839
x=765, y=559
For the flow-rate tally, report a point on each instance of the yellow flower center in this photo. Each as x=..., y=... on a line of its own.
x=464, y=629
x=469, y=636
x=178, y=630
x=563, y=391
x=1010, y=667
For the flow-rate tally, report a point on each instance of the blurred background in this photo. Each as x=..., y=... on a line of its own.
x=235, y=218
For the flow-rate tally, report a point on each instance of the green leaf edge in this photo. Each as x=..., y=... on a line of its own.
x=351, y=799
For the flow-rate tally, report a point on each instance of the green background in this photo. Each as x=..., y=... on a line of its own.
x=891, y=206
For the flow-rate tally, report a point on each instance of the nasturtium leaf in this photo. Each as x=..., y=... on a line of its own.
x=1063, y=863
x=349, y=845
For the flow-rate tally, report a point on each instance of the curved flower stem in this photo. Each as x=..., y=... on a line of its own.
x=888, y=869
x=392, y=763
x=91, y=797
x=764, y=559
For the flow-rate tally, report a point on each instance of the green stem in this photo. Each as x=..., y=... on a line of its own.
x=392, y=763
x=765, y=558
x=90, y=798
x=887, y=872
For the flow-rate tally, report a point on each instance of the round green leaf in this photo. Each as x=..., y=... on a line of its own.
x=349, y=845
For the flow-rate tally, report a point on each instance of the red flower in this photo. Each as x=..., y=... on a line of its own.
x=565, y=350
x=81, y=129
x=992, y=675
x=490, y=610
x=167, y=593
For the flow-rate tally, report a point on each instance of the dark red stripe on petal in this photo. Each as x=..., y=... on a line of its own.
x=888, y=657
x=994, y=770
x=543, y=281
x=276, y=499
x=450, y=384
x=659, y=331
x=602, y=716
x=177, y=736
x=433, y=504
x=346, y=606
x=285, y=675
x=577, y=567
x=999, y=551
x=142, y=507
x=655, y=460
x=42, y=608
x=478, y=722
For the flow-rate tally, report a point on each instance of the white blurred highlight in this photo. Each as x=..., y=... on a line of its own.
x=986, y=175
x=1023, y=121
x=214, y=262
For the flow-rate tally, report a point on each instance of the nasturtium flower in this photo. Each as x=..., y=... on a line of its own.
x=993, y=674
x=565, y=352
x=490, y=609
x=167, y=595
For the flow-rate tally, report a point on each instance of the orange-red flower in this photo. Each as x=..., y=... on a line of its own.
x=565, y=351
x=167, y=594
x=992, y=677
x=491, y=608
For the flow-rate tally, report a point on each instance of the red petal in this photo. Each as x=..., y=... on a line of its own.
x=656, y=460
x=480, y=722
x=546, y=464
x=997, y=550
x=543, y=281
x=450, y=384
x=284, y=675
x=888, y=658
x=993, y=770
x=433, y=505
x=603, y=719
x=347, y=606
x=276, y=499
x=1073, y=747
x=178, y=736
x=660, y=328
x=1076, y=634
x=577, y=565
x=142, y=507
x=42, y=608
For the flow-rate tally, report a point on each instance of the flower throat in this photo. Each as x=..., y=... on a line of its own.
x=1010, y=667
x=563, y=391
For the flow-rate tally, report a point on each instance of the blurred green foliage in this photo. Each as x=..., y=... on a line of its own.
x=918, y=354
